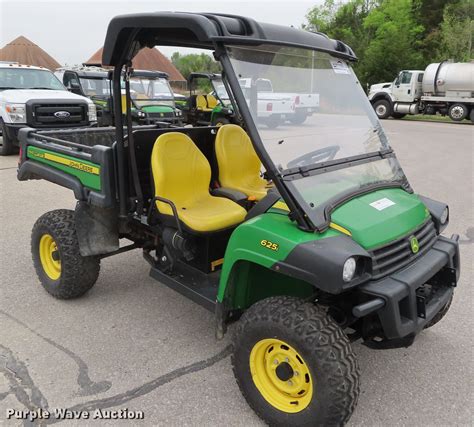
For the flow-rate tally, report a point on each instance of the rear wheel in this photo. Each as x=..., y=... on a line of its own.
x=471, y=115
x=62, y=270
x=383, y=109
x=294, y=365
x=6, y=144
x=298, y=118
x=273, y=121
x=458, y=112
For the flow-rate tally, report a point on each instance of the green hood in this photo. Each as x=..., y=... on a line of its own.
x=394, y=214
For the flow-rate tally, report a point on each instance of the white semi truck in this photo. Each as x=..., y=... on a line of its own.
x=445, y=88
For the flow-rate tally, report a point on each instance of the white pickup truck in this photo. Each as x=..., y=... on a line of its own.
x=303, y=104
x=34, y=97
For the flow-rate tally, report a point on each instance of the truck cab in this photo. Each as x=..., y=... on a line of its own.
x=34, y=97
x=407, y=87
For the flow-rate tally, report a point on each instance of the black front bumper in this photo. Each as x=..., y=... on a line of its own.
x=404, y=311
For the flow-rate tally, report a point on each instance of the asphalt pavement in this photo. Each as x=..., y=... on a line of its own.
x=134, y=343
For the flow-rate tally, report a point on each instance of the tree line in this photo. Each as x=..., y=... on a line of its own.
x=386, y=35
x=390, y=35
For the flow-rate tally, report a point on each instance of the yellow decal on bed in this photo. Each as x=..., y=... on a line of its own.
x=75, y=164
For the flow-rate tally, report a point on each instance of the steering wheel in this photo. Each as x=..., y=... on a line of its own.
x=326, y=153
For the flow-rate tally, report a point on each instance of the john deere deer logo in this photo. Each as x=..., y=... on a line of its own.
x=415, y=246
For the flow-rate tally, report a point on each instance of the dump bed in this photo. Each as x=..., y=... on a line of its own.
x=79, y=159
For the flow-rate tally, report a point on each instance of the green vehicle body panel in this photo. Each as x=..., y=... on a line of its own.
x=87, y=172
x=247, y=247
x=370, y=227
x=157, y=109
x=246, y=274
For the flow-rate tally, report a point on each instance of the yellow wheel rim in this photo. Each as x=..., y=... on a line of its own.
x=49, y=257
x=281, y=375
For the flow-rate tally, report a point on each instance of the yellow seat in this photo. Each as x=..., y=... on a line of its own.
x=211, y=101
x=182, y=174
x=201, y=103
x=239, y=165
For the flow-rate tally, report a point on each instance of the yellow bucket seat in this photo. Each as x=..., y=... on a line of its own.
x=239, y=165
x=211, y=101
x=201, y=103
x=182, y=174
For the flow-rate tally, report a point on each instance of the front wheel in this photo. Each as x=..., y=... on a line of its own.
x=63, y=271
x=294, y=365
x=383, y=109
x=458, y=112
x=437, y=318
x=6, y=144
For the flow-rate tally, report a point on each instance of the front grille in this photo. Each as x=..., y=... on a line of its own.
x=43, y=115
x=155, y=115
x=397, y=254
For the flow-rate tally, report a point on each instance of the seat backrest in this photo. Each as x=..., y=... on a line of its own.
x=181, y=173
x=201, y=103
x=211, y=101
x=237, y=160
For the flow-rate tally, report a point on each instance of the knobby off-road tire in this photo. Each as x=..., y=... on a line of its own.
x=63, y=272
x=315, y=344
x=440, y=314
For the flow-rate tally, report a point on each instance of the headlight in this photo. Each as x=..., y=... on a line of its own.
x=349, y=269
x=141, y=114
x=16, y=112
x=92, y=113
x=444, y=216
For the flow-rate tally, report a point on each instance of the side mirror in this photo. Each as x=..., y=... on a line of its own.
x=75, y=87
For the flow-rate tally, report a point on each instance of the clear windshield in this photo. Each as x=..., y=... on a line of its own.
x=24, y=78
x=147, y=92
x=310, y=108
x=95, y=86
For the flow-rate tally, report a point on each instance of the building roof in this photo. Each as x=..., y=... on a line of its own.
x=26, y=52
x=146, y=59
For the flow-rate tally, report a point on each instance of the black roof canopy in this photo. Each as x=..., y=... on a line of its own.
x=127, y=34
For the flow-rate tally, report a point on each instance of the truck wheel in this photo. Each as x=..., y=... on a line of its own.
x=294, y=365
x=383, y=109
x=398, y=115
x=63, y=272
x=440, y=314
x=458, y=112
x=273, y=121
x=6, y=144
x=471, y=115
x=298, y=118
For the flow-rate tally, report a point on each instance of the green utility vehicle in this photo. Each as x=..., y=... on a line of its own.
x=207, y=108
x=307, y=237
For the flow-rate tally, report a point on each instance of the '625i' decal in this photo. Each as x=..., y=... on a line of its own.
x=269, y=245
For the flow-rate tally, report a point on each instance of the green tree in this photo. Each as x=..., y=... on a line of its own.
x=395, y=44
x=457, y=31
x=194, y=62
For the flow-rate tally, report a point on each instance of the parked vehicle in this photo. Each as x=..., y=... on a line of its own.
x=207, y=109
x=444, y=88
x=33, y=97
x=92, y=82
x=152, y=97
x=304, y=104
x=330, y=239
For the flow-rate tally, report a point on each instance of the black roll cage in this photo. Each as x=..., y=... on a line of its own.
x=127, y=34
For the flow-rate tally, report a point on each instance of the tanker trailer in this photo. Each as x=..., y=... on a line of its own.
x=445, y=88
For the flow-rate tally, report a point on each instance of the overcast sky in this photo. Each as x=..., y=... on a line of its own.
x=71, y=30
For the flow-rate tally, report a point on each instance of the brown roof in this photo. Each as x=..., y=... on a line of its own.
x=26, y=52
x=146, y=59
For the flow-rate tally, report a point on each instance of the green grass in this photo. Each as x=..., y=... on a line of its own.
x=428, y=118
